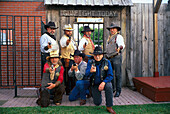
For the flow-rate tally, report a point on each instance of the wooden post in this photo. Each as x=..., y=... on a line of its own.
x=156, y=6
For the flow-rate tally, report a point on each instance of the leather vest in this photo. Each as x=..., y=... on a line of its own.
x=111, y=46
x=88, y=48
x=46, y=77
x=103, y=72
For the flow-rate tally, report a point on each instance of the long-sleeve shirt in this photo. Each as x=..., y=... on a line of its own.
x=89, y=45
x=120, y=41
x=66, y=50
x=81, y=71
x=97, y=78
x=44, y=40
x=60, y=77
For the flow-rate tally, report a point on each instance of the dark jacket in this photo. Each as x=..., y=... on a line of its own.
x=101, y=74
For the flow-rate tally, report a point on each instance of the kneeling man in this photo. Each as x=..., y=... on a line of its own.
x=100, y=72
x=51, y=85
x=78, y=71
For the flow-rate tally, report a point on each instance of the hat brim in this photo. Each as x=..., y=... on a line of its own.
x=87, y=31
x=81, y=55
x=118, y=28
x=46, y=26
x=69, y=29
x=97, y=53
x=48, y=57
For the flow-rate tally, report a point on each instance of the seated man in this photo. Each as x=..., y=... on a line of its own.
x=52, y=79
x=78, y=70
x=100, y=72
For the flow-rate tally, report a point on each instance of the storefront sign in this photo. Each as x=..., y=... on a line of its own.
x=88, y=13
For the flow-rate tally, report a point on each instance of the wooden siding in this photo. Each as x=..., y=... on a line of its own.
x=141, y=60
x=137, y=29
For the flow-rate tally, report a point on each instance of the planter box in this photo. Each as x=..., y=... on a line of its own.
x=155, y=88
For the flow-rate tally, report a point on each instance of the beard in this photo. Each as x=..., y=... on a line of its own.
x=88, y=35
x=51, y=33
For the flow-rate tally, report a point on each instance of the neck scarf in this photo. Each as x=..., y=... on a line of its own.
x=52, y=74
x=52, y=36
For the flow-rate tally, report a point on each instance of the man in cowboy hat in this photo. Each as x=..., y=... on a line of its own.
x=86, y=45
x=48, y=41
x=114, y=46
x=68, y=46
x=100, y=72
x=78, y=70
x=51, y=84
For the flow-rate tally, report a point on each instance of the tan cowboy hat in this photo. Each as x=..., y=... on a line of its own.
x=68, y=27
x=53, y=54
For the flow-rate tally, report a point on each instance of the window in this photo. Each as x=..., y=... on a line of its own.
x=94, y=23
x=6, y=37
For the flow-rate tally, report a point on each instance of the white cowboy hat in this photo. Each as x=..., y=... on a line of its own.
x=68, y=27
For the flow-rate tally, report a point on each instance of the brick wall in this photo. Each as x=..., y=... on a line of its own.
x=27, y=35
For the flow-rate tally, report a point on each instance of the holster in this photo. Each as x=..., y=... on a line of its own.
x=66, y=62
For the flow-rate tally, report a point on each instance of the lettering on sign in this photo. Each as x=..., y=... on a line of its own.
x=88, y=13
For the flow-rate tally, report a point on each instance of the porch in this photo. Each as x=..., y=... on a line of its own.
x=127, y=97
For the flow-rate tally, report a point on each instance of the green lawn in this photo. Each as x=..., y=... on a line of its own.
x=126, y=109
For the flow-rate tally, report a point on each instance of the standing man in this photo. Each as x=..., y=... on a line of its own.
x=78, y=70
x=100, y=72
x=68, y=46
x=48, y=41
x=86, y=44
x=51, y=84
x=114, y=46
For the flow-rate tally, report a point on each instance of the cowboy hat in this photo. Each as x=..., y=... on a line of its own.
x=53, y=54
x=68, y=27
x=86, y=28
x=50, y=25
x=113, y=25
x=98, y=51
x=78, y=53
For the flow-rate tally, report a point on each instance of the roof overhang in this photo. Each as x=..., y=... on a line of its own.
x=89, y=2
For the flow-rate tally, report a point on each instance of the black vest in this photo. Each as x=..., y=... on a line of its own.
x=103, y=72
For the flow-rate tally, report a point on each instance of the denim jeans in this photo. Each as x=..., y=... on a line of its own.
x=97, y=97
x=80, y=90
x=116, y=63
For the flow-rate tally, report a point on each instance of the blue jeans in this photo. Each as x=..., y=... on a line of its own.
x=80, y=90
x=116, y=63
x=97, y=97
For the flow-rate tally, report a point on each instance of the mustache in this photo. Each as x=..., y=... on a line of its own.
x=97, y=57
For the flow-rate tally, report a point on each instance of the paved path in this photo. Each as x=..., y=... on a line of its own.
x=127, y=97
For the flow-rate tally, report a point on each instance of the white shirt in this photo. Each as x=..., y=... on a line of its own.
x=82, y=42
x=120, y=41
x=44, y=40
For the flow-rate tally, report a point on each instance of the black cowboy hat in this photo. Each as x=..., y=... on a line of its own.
x=97, y=51
x=86, y=28
x=78, y=53
x=113, y=25
x=50, y=25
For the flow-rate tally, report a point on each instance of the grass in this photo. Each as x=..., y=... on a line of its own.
x=125, y=109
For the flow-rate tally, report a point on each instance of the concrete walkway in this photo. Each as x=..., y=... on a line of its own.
x=127, y=97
